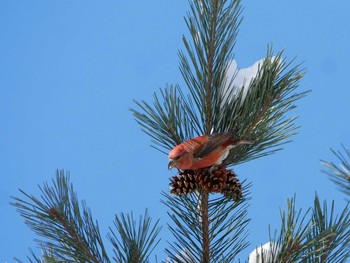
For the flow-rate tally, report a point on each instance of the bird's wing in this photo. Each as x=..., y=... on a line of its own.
x=195, y=145
x=213, y=141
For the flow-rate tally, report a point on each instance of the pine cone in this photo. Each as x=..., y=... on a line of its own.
x=184, y=183
x=212, y=180
x=233, y=189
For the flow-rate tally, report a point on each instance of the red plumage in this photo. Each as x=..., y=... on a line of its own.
x=203, y=151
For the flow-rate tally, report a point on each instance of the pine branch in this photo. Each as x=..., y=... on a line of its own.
x=256, y=112
x=69, y=234
x=134, y=243
x=316, y=236
x=167, y=122
x=204, y=206
x=82, y=246
x=213, y=26
x=214, y=104
x=209, y=84
x=260, y=115
x=340, y=174
x=67, y=228
x=331, y=233
x=292, y=242
x=207, y=109
x=227, y=222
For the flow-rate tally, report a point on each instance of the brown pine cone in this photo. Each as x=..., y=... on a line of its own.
x=184, y=183
x=213, y=180
x=233, y=189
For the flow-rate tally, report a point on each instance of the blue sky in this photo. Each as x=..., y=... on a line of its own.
x=69, y=71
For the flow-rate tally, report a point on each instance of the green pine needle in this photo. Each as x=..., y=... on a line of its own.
x=66, y=228
x=331, y=232
x=69, y=233
x=340, y=174
x=133, y=242
x=318, y=235
x=227, y=229
x=212, y=103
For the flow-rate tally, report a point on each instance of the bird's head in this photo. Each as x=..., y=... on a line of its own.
x=179, y=157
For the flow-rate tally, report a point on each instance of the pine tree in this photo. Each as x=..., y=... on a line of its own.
x=208, y=208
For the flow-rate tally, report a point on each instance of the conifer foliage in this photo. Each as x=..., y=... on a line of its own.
x=209, y=228
x=340, y=174
x=68, y=232
x=208, y=208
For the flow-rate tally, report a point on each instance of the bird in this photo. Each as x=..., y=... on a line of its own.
x=203, y=151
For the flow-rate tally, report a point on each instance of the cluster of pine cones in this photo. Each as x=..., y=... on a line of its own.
x=214, y=180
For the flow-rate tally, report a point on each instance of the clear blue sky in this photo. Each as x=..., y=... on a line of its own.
x=69, y=71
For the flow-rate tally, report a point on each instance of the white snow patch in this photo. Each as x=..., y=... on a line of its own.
x=264, y=254
x=184, y=256
x=238, y=79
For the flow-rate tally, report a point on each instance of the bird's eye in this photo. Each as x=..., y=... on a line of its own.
x=177, y=157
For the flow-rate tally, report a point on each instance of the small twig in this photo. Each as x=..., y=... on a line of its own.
x=259, y=117
x=327, y=242
x=261, y=114
x=73, y=234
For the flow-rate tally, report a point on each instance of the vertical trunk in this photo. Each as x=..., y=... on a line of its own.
x=205, y=225
x=210, y=67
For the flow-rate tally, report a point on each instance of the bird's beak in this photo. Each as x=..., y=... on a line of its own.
x=171, y=164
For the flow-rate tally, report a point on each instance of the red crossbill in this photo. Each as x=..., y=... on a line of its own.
x=203, y=151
